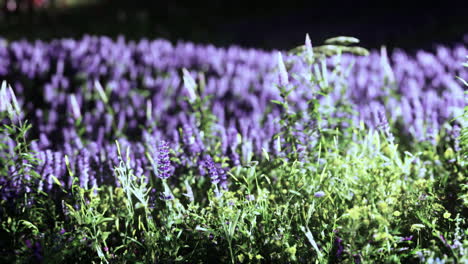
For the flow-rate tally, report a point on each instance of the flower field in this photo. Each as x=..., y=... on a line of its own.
x=116, y=151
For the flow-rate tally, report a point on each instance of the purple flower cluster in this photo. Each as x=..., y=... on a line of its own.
x=142, y=87
x=382, y=124
x=191, y=140
x=214, y=171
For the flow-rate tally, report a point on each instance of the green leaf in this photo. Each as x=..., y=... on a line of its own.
x=295, y=193
x=417, y=227
x=29, y=225
x=342, y=40
x=277, y=102
x=311, y=239
x=265, y=154
x=56, y=180
x=463, y=81
x=106, y=219
x=359, y=51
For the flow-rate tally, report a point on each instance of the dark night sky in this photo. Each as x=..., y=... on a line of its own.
x=259, y=24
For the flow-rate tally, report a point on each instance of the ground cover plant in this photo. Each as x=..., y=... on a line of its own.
x=144, y=152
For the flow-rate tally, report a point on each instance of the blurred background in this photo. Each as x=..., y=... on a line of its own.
x=257, y=24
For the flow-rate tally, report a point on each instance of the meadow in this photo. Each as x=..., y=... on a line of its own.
x=116, y=151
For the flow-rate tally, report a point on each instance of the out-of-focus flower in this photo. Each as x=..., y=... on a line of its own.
x=83, y=168
x=283, y=74
x=339, y=247
x=319, y=194
x=408, y=238
x=435, y=261
x=384, y=126
x=190, y=85
x=216, y=173
x=164, y=162
x=191, y=141
x=166, y=196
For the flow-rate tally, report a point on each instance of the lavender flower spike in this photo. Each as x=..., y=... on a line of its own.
x=283, y=74
x=216, y=173
x=319, y=194
x=164, y=162
x=309, y=50
x=193, y=145
x=384, y=126
x=190, y=85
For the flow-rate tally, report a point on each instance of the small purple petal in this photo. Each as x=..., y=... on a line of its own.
x=319, y=194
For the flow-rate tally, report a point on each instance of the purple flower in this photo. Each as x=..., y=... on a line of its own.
x=442, y=238
x=49, y=168
x=36, y=248
x=455, y=134
x=164, y=162
x=283, y=74
x=83, y=168
x=216, y=173
x=209, y=165
x=339, y=247
x=191, y=141
x=319, y=194
x=408, y=238
x=165, y=196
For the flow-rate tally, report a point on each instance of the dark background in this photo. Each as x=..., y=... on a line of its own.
x=259, y=24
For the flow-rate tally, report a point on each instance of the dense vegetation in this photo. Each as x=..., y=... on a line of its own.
x=124, y=152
